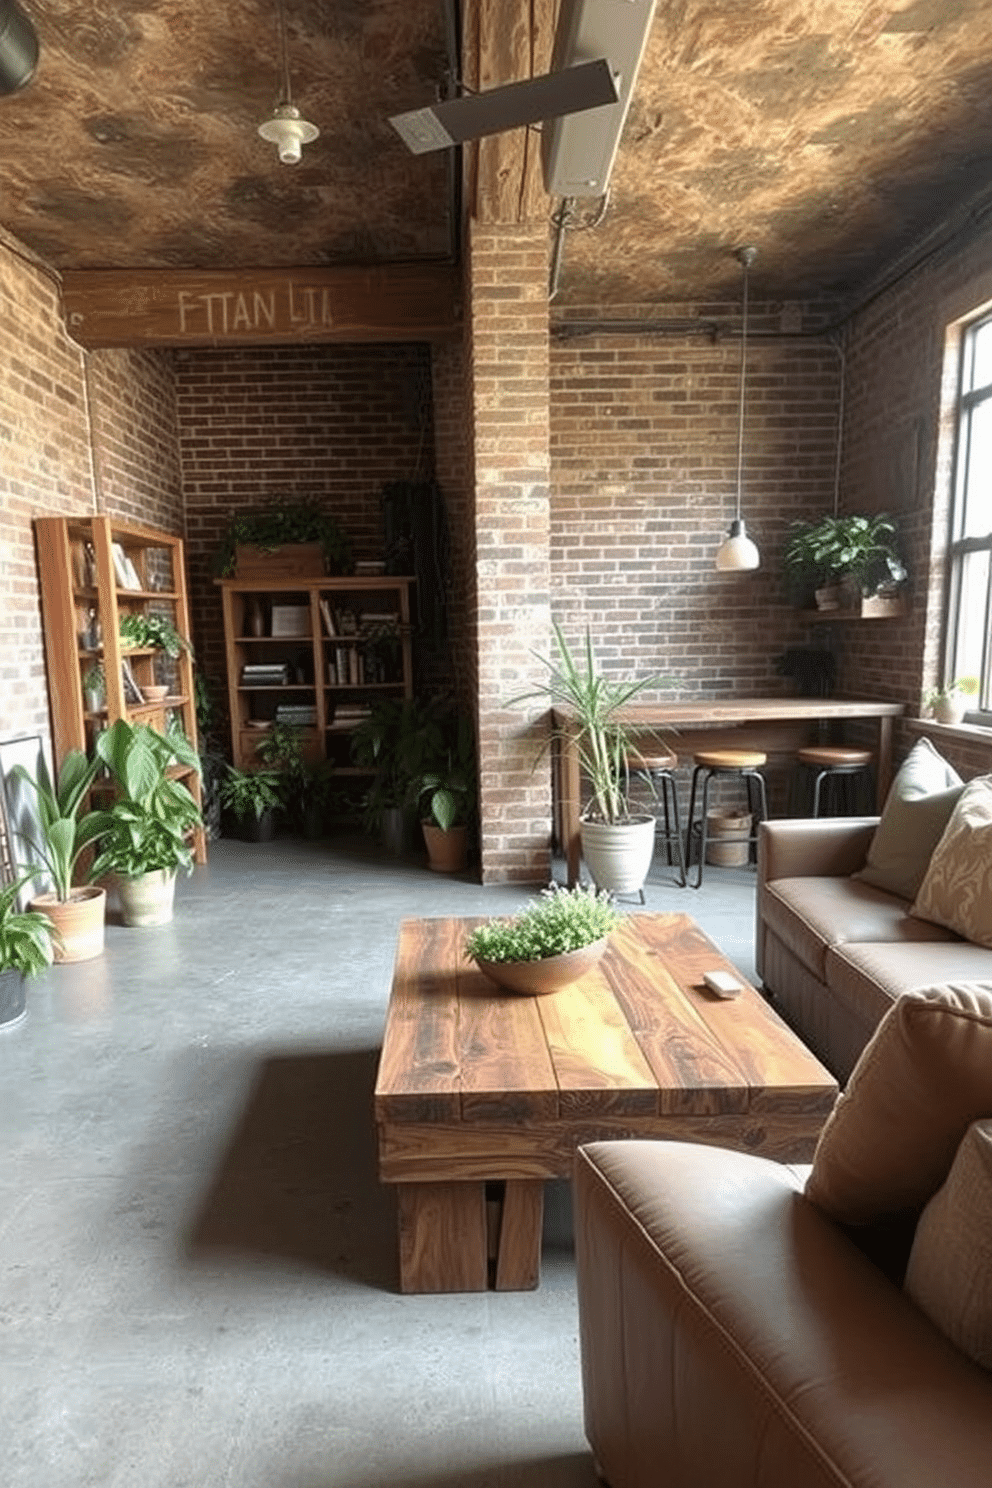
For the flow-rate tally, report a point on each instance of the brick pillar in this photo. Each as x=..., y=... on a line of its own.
x=507, y=330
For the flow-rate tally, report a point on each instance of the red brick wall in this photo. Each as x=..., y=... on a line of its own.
x=898, y=448
x=333, y=422
x=508, y=361
x=59, y=425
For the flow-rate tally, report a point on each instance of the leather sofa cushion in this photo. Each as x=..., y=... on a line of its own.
x=917, y=809
x=925, y=1075
x=809, y=915
x=949, y=1276
x=859, y=974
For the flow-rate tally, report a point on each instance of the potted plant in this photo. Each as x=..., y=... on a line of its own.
x=280, y=750
x=617, y=842
x=444, y=788
x=94, y=688
x=948, y=704
x=155, y=631
x=251, y=799
x=65, y=831
x=146, y=829
x=285, y=523
x=25, y=950
x=822, y=555
x=390, y=742
x=551, y=943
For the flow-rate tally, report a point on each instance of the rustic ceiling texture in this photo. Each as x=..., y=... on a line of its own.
x=834, y=134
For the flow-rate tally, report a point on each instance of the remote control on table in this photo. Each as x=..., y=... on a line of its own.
x=723, y=983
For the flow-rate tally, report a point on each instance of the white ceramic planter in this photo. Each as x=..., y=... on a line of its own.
x=619, y=856
x=950, y=710
x=147, y=900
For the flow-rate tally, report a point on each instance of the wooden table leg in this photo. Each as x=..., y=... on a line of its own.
x=883, y=775
x=518, y=1259
x=442, y=1236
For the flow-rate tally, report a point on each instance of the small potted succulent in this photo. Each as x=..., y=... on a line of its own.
x=551, y=943
x=948, y=704
x=94, y=688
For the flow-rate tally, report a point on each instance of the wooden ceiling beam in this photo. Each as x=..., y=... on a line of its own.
x=252, y=307
x=506, y=41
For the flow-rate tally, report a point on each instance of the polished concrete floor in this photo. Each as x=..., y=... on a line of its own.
x=197, y=1267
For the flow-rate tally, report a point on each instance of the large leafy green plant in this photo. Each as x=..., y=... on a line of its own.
x=25, y=936
x=593, y=704
x=392, y=742
x=250, y=793
x=147, y=827
x=65, y=829
x=443, y=785
x=836, y=547
x=153, y=630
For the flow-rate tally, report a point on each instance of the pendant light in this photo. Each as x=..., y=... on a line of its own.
x=287, y=130
x=737, y=551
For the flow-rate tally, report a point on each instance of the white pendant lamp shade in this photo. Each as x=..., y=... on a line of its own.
x=287, y=129
x=737, y=552
x=288, y=132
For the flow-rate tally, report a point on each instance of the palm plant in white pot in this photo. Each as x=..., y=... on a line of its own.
x=617, y=841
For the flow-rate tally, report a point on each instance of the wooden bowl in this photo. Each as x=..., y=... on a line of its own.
x=534, y=978
x=154, y=692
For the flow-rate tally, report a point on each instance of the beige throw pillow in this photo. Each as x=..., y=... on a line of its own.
x=917, y=809
x=949, y=1276
x=957, y=888
x=924, y=1077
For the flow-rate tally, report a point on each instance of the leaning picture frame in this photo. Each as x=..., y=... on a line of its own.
x=132, y=692
x=22, y=825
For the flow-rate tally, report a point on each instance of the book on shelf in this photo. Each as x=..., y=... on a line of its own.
x=301, y=715
x=328, y=616
x=269, y=674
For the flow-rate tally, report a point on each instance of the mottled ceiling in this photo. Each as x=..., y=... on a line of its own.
x=832, y=133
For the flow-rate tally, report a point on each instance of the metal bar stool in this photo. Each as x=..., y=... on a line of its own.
x=836, y=765
x=746, y=765
x=659, y=768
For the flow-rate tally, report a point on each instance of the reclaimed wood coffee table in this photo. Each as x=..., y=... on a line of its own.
x=482, y=1095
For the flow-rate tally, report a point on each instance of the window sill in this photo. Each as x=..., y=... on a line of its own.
x=960, y=731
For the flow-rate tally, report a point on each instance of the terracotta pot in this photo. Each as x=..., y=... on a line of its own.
x=619, y=855
x=447, y=852
x=148, y=899
x=534, y=978
x=79, y=922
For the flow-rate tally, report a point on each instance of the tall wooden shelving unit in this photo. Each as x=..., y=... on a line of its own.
x=323, y=670
x=83, y=600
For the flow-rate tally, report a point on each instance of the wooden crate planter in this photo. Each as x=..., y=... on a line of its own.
x=290, y=561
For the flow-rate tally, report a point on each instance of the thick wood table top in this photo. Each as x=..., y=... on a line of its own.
x=476, y=1083
x=748, y=710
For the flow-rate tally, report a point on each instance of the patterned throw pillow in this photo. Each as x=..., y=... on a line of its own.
x=957, y=889
x=949, y=1276
x=917, y=809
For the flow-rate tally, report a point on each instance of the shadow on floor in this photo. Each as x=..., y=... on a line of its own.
x=298, y=1178
x=575, y=1470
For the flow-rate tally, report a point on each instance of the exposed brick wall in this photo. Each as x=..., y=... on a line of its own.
x=898, y=449
x=508, y=360
x=333, y=422
x=61, y=416
x=644, y=433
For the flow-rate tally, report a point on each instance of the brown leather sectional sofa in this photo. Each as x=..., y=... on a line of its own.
x=833, y=950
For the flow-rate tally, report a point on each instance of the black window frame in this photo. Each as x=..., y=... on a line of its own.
x=963, y=490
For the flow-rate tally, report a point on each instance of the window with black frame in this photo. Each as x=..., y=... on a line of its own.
x=970, y=596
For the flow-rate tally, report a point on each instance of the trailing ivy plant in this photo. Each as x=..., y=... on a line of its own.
x=285, y=522
x=559, y=920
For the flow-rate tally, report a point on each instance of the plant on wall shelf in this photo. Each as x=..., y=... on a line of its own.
x=285, y=522
x=155, y=631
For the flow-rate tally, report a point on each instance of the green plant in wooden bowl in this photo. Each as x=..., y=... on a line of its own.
x=550, y=944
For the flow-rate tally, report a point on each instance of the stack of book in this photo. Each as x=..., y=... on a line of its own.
x=265, y=674
x=301, y=715
x=348, y=715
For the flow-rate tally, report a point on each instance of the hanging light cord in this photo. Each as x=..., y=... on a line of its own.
x=745, y=255
x=287, y=91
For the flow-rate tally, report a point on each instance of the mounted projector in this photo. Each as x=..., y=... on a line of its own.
x=584, y=99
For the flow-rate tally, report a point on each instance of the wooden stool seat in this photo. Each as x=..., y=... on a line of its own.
x=730, y=759
x=832, y=757
x=662, y=760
